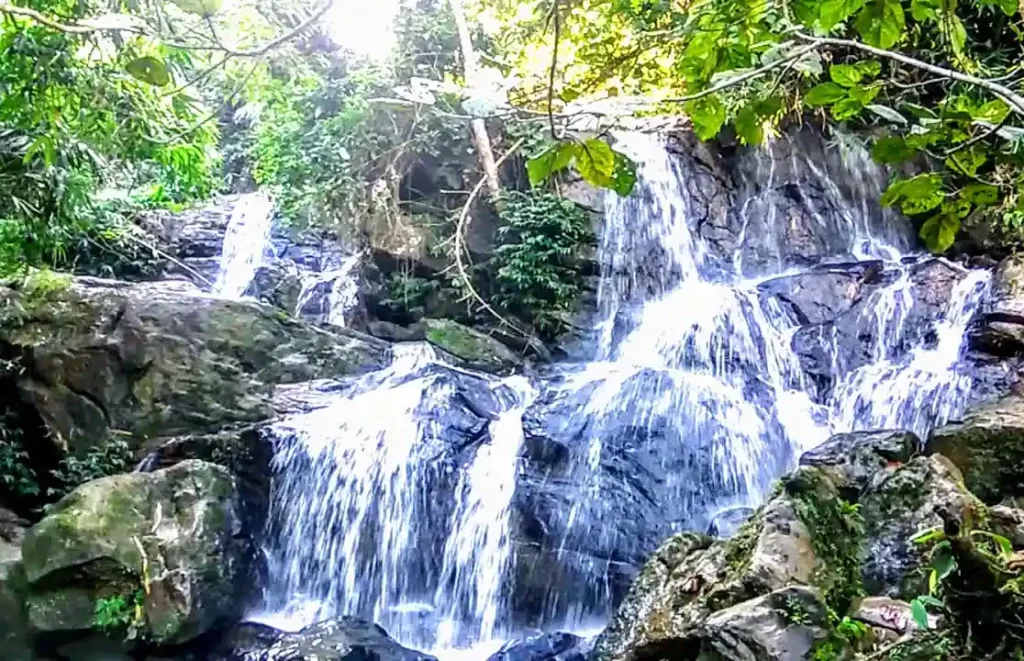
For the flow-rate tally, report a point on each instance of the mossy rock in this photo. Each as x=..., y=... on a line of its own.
x=477, y=350
x=988, y=448
x=174, y=535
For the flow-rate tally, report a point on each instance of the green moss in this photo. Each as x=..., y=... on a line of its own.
x=837, y=536
x=740, y=547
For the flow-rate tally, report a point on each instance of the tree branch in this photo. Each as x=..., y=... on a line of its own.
x=551, y=74
x=1014, y=100
x=69, y=28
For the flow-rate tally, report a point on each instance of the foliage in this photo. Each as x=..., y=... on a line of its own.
x=109, y=458
x=120, y=614
x=594, y=159
x=844, y=634
x=17, y=478
x=535, y=270
x=404, y=295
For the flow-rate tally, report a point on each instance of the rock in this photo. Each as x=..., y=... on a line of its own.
x=12, y=528
x=783, y=625
x=1008, y=521
x=171, y=539
x=477, y=350
x=691, y=576
x=392, y=332
x=277, y=284
x=727, y=522
x=889, y=618
x=161, y=359
x=910, y=499
x=822, y=294
x=856, y=460
x=557, y=646
x=339, y=639
x=15, y=637
x=1002, y=330
x=988, y=448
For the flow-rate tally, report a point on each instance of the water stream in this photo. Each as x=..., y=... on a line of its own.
x=246, y=240
x=378, y=511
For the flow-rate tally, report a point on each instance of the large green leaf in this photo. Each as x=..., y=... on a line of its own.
x=915, y=195
x=833, y=12
x=939, y=232
x=881, y=23
x=892, y=149
x=707, y=115
x=824, y=94
x=980, y=194
x=624, y=176
x=924, y=10
x=919, y=613
x=846, y=75
x=864, y=94
x=966, y=161
x=595, y=161
x=846, y=108
x=150, y=70
x=748, y=125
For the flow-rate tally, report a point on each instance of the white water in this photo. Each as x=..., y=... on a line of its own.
x=375, y=512
x=342, y=297
x=246, y=239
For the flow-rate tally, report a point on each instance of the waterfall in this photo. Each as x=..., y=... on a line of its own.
x=246, y=239
x=342, y=293
x=401, y=499
x=364, y=494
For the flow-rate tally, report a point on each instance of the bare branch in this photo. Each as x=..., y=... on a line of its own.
x=70, y=28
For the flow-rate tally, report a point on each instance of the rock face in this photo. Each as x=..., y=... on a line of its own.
x=855, y=461
x=1002, y=330
x=160, y=359
x=988, y=447
x=557, y=646
x=170, y=541
x=340, y=639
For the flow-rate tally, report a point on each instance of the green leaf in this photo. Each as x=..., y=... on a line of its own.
x=887, y=113
x=919, y=111
x=943, y=562
x=891, y=150
x=870, y=68
x=939, y=232
x=846, y=108
x=954, y=29
x=824, y=94
x=916, y=195
x=846, y=75
x=929, y=535
x=553, y=159
x=149, y=70
x=881, y=23
x=748, y=126
x=599, y=155
x=919, y=613
x=980, y=194
x=707, y=115
x=201, y=7
x=864, y=94
x=966, y=161
x=929, y=600
x=1009, y=7
x=833, y=12
x=624, y=178
x=924, y=10
x=993, y=111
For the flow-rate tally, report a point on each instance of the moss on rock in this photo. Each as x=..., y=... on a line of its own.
x=478, y=350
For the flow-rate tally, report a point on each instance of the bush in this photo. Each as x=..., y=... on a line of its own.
x=110, y=458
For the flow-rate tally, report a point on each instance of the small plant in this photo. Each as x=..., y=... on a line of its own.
x=16, y=475
x=120, y=613
x=109, y=458
x=844, y=634
x=535, y=271
x=403, y=294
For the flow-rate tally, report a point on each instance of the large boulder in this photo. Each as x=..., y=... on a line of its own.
x=150, y=360
x=919, y=495
x=477, y=350
x=170, y=542
x=339, y=639
x=15, y=638
x=856, y=460
x=558, y=646
x=988, y=448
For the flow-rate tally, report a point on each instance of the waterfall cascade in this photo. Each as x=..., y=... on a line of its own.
x=246, y=240
x=401, y=500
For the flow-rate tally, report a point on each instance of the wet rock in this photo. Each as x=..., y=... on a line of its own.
x=172, y=539
x=856, y=460
x=15, y=636
x=914, y=497
x=1002, y=330
x=988, y=448
x=545, y=647
x=1007, y=520
x=889, y=619
x=727, y=522
x=477, y=350
x=340, y=639
x=161, y=359
x=392, y=332
x=822, y=294
x=277, y=284
x=783, y=625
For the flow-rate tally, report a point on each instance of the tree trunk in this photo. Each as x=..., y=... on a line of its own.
x=477, y=127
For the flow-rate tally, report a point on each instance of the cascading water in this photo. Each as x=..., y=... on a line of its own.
x=342, y=293
x=245, y=241
x=399, y=500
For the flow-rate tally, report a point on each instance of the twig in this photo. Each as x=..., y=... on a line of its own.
x=71, y=28
x=460, y=244
x=551, y=73
x=978, y=138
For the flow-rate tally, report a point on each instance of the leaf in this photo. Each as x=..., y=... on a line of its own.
x=980, y=194
x=149, y=70
x=924, y=10
x=943, y=562
x=870, y=68
x=1009, y=7
x=919, y=613
x=624, y=178
x=201, y=7
x=929, y=600
x=748, y=126
x=846, y=108
x=887, y=113
x=966, y=161
x=891, y=150
x=917, y=194
x=553, y=159
x=929, y=535
x=919, y=111
x=881, y=23
x=824, y=94
x=864, y=94
x=707, y=115
x=595, y=161
x=956, y=32
x=939, y=232
x=994, y=111
x=846, y=75
x=833, y=12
